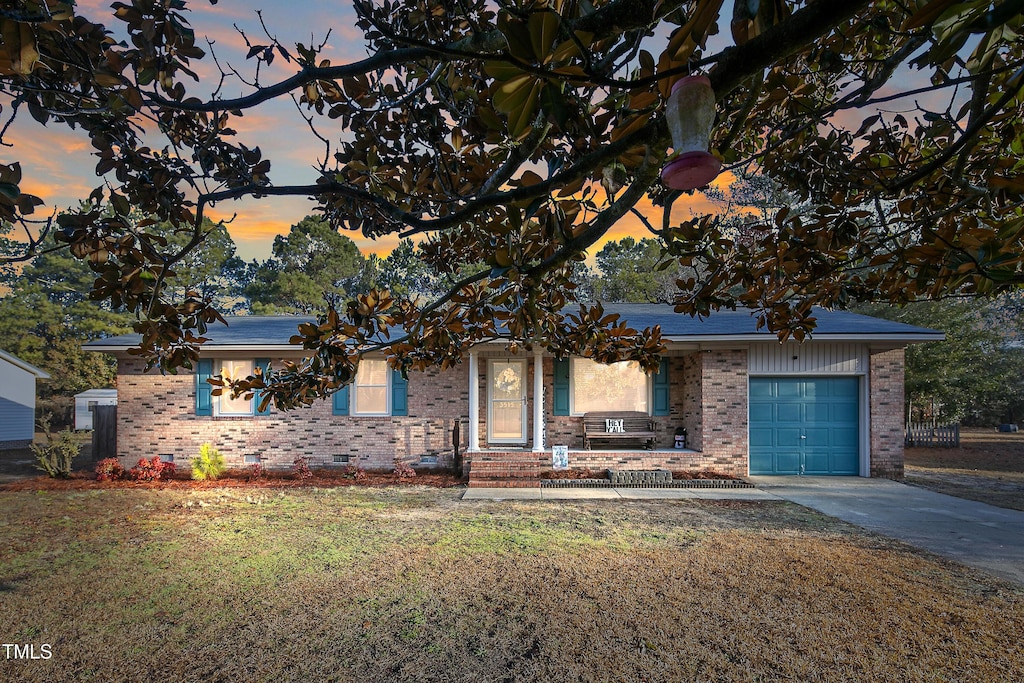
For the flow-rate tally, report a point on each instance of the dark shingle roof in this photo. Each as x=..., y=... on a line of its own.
x=275, y=331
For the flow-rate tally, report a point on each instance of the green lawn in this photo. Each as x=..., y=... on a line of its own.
x=414, y=585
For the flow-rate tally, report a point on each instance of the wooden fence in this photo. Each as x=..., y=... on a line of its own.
x=933, y=436
x=104, y=432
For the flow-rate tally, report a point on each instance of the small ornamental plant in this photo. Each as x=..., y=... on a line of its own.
x=300, y=468
x=354, y=473
x=403, y=470
x=208, y=465
x=257, y=471
x=153, y=469
x=55, y=456
x=109, y=469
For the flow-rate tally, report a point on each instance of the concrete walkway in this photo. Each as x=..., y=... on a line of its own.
x=975, y=534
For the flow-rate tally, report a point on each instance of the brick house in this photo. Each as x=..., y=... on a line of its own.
x=749, y=405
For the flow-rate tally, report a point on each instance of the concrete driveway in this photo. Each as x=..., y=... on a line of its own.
x=975, y=534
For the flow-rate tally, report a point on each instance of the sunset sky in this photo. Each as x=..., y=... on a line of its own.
x=58, y=165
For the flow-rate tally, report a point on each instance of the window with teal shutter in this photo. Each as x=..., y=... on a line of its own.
x=204, y=392
x=560, y=395
x=399, y=394
x=263, y=364
x=340, y=401
x=661, y=384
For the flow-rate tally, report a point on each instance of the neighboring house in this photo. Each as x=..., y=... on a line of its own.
x=17, y=401
x=86, y=401
x=750, y=405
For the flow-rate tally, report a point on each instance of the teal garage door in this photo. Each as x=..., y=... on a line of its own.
x=804, y=425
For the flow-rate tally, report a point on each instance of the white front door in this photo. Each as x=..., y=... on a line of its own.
x=506, y=401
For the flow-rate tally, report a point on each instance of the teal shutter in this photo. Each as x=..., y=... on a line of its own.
x=399, y=394
x=264, y=365
x=340, y=401
x=204, y=395
x=661, y=382
x=560, y=398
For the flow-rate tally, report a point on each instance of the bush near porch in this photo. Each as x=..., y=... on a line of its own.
x=415, y=585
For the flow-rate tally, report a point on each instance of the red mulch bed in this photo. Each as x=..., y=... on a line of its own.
x=84, y=480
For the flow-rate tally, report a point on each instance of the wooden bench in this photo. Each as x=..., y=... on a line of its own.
x=637, y=428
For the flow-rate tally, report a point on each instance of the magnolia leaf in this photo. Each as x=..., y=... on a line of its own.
x=10, y=191
x=543, y=27
x=927, y=14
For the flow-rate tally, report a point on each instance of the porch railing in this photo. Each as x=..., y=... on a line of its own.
x=933, y=436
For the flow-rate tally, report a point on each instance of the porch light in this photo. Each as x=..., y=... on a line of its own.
x=690, y=113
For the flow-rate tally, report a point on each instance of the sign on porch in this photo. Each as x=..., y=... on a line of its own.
x=560, y=457
x=614, y=426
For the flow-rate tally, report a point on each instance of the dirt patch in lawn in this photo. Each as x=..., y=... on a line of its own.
x=415, y=585
x=988, y=467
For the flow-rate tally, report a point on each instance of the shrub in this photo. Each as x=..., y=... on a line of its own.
x=256, y=471
x=354, y=473
x=300, y=468
x=153, y=469
x=55, y=456
x=403, y=470
x=109, y=469
x=208, y=465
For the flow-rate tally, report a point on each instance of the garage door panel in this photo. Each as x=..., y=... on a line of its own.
x=785, y=389
x=787, y=437
x=787, y=462
x=817, y=437
x=789, y=413
x=817, y=461
x=845, y=413
x=817, y=412
x=808, y=422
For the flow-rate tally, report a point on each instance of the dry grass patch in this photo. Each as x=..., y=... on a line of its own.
x=415, y=585
x=988, y=467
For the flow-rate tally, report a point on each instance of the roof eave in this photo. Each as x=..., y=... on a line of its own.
x=909, y=338
x=27, y=367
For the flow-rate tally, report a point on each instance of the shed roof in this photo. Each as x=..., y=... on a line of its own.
x=273, y=332
x=97, y=393
x=27, y=367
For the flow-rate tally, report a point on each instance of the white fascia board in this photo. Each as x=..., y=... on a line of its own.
x=862, y=338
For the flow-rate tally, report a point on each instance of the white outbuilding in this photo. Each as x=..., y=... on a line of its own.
x=87, y=400
x=17, y=401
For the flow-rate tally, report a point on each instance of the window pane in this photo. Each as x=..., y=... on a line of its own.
x=371, y=400
x=372, y=373
x=619, y=386
x=235, y=369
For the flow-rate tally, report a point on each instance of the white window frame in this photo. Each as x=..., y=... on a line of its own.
x=572, y=388
x=219, y=371
x=353, y=400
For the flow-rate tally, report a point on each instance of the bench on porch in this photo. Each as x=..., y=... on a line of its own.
x=619, y=426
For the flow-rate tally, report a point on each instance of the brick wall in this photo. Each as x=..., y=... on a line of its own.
x=887, y=423
x=156, y=416
x=723, y=409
